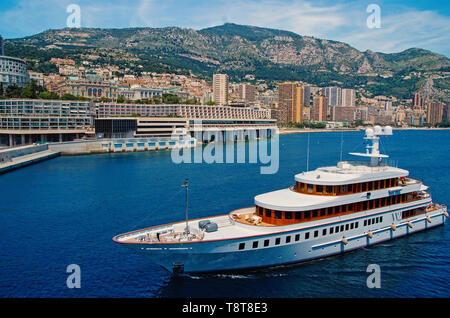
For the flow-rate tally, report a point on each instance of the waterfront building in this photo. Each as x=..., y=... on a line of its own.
x=334, y=95
x=133, y=127
x=25, y=121
x=87, y=89
x=13, y=71
x=418, y=100
x=319, y=109
x=446, y=112
x=348, y=97
x=136, y=92
x=38, y=77
x=247, y=93
x=182, y=110
x=290, y=102
x=309, y=92
x=342, y=113
x=435, y=112
x=220, y=89
x=2, y=46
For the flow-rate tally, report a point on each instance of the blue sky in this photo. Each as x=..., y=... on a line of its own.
x=404, y=23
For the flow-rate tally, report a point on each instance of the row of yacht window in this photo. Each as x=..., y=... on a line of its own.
x=326, y=231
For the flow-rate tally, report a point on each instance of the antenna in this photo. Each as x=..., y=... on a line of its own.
x=307, y=155
x=186, y=185
x=373, y=149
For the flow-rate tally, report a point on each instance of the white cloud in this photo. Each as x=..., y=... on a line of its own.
x=423, y=29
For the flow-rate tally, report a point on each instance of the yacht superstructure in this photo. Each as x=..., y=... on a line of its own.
x=330, y=210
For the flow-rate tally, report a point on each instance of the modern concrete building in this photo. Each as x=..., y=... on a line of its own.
x=247, y=93
x=2, y=46
x=418, y=100
x=88, y=89
x=38, y=77
x=334, y=95
x=435, y=112
x=220, y=89
x=308, y=94
x=319, y=109
x=342, y=113
x=136, y=92
x=181, y=111
x=25, y=121
x=446, y=114
x=132, y=127
x=13, y=71
x=291, y=102
x=348, y=97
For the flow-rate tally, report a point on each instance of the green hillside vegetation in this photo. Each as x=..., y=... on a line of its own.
x=238, y=50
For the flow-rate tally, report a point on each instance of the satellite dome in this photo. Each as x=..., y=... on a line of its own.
x=387, y=130
x=369, y=132
x=377, y=130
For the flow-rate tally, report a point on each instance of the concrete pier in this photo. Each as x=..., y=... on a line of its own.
x=15, y=158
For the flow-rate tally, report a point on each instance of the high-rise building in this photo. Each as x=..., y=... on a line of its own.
x=247, y=93
x=290, y=102
x=334, y=95
x=435, y=112
x=13, y=71
x=2, y=46
x=220, y=89
x=446, y=112
x=342, y=113
x=319, y=109
x=348, y=97
x=308, y=91
x=418, y=100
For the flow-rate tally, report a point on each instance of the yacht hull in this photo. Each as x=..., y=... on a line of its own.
x=225, y=256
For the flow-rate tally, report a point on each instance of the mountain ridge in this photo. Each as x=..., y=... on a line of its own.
x=268, y=54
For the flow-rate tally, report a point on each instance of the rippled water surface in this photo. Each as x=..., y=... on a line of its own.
x=66, y=210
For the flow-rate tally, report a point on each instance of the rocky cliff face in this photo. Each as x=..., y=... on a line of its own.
x=239, y=50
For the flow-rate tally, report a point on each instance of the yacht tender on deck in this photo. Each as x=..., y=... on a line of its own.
x=328, y=211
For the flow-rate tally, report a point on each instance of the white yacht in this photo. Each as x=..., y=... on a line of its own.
x=328, y=211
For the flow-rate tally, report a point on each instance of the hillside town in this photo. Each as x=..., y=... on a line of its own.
x=109, y=91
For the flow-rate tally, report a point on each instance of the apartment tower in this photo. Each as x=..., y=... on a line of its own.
x=290, y=102
x=319, y=109
x=220, y=89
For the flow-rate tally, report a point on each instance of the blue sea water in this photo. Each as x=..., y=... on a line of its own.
x=66, y=210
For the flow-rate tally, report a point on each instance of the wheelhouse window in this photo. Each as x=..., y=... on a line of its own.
x=268, y=213
x=288, y=215
x=278, y=215
x=259, y=210
x=319, y=188
x=330, y=211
